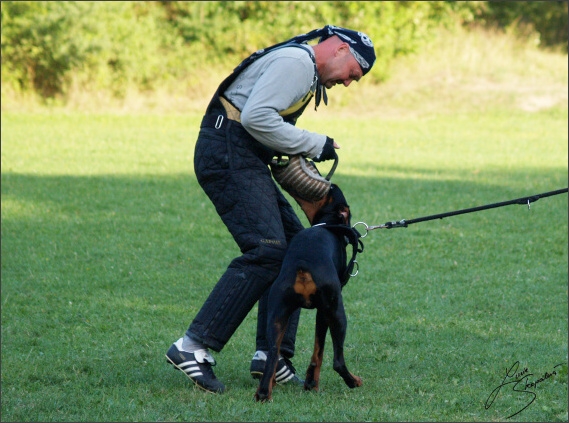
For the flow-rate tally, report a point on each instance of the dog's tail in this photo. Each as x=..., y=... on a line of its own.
x=304, y=285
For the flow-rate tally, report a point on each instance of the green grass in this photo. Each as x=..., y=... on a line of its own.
x=109, y=247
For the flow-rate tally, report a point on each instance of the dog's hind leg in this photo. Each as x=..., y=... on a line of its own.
x=313, y=372
x=338, y=326
x=279, y=314
x=265, y=389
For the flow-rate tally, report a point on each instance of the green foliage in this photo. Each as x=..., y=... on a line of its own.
x=545, y=20
x=132, y=41
x=229, y=31
x=52, y=47
x=42, y=42
x=47, y=46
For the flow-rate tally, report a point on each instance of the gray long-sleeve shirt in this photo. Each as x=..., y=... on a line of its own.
x=269, y=85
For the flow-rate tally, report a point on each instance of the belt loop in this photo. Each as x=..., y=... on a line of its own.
x=218, y=122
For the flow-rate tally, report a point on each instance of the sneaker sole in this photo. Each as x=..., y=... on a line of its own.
x=188, y=376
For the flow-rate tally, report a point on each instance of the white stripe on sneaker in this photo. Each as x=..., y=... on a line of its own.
x=283, y=375
x=190, y=368
x=193, y=372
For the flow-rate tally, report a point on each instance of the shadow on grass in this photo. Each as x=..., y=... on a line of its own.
x=100, y=274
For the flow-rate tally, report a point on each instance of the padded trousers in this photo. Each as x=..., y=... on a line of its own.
x=232, y=168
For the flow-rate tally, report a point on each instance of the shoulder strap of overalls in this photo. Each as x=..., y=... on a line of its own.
x=297, y=41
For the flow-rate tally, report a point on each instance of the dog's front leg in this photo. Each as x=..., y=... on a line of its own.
x=313, y=372
x=338, y=326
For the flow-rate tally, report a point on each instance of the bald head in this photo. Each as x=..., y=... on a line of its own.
x=335, y=62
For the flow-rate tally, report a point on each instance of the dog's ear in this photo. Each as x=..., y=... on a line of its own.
x=337, y=195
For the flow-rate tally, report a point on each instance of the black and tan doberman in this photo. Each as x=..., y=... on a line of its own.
x=313, y=273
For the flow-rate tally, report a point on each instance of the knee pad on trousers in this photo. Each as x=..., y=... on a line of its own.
x=235, y=294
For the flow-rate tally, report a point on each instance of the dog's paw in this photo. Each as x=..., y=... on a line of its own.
x=357, y=381
x=311, y=385
x=263, y=398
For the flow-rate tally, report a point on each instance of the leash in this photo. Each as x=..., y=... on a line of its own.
x=403, y=223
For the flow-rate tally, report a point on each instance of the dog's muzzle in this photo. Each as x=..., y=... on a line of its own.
x=300, y=177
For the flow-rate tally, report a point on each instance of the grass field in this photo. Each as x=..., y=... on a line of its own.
x=109, y=248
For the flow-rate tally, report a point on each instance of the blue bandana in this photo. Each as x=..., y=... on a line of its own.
x=360, y=44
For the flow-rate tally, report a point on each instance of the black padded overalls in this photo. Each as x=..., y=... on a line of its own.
x=232, y=168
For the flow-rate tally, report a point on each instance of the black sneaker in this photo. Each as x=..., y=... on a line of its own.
x=285, y=370
x=196, y=365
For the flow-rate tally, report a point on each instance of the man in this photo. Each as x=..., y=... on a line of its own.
x=250, y=119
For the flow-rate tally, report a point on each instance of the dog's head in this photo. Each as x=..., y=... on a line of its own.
x=333, y=209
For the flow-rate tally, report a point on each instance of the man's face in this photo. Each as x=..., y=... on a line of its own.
x=341, y=68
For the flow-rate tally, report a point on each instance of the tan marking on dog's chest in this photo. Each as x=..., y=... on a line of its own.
x=304, y=285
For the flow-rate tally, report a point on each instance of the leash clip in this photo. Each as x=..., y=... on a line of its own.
x=371, y=228
x=366, y=228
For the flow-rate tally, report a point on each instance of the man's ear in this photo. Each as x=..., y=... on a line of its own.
x=342, y=49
